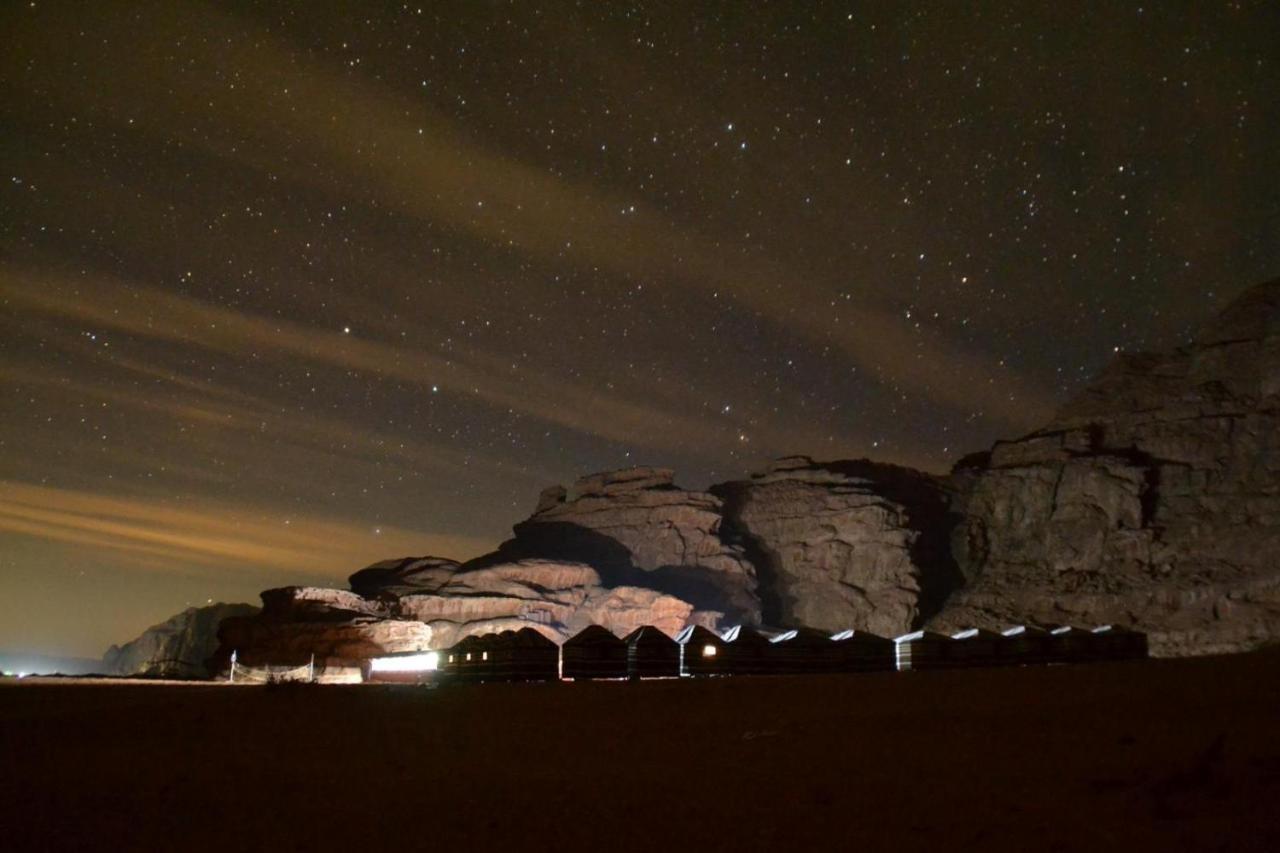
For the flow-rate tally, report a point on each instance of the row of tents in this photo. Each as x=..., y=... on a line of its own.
x=647, y=652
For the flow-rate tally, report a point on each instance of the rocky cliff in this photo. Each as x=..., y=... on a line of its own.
x=177, y=647
x=838, y=545
x=556, y=598
x=637, y=528
x=1153, y=499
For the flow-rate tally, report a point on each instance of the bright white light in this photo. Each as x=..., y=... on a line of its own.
x=708, y=651
x=407, y=663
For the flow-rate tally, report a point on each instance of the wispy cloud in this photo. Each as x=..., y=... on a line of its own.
x=193, y=536
x=417, y=163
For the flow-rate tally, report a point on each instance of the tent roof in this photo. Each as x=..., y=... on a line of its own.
x=524, y=638
x=594, y=635
x=472, y=641
x=927, y=636
x=647, y=632
x=802, y=636
x=744, y=634
x=696, y=634
x=976, y=634
x=853, y=636
x=1024, y=631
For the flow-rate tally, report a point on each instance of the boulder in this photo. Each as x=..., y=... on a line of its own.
x=177, y=647
x=1152, y=500
x=402, y=577
x=635, y=527
x=260, y=641
x=839, y=545
x=541, y=593
x=555, y=598
x=317, y=603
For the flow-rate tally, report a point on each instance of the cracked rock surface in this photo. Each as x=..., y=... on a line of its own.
x=843, y=545
x=1152, y=499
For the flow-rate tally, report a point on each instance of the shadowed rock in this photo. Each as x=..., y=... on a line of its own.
x=853, y=544
x=1152, y=499
x=177, y=647
x=403, y=577
x=637, y=528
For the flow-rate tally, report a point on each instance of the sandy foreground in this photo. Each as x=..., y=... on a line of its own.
x=1149, y=755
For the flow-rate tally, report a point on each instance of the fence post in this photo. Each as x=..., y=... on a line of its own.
x=232, y=678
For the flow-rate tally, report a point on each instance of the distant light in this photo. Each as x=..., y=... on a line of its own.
x=407, y=663
x=484, y=656
x=708, y=651
x=346, y=330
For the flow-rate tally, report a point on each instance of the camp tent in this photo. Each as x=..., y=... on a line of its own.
x=747, y=651
x=1070, y=645
x=594, y=652
x=651, y=654
x=923, y=650
x=802, y=650
x=860, y=651
x=524, y=655
x=1114, y=642
x=978, y=647
x=1026, y=644
x=469, y=658
x=701, y=652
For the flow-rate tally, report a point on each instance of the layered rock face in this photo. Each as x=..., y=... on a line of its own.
x=177, y=647
x=403, y=577
x=1152, y=500
x=298, y=622
x=557, y=599
x=844, y=544
x=637, y=528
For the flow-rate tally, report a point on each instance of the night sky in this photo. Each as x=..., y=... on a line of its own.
x=290, y=289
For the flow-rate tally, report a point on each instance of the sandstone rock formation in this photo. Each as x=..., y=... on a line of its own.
x=556, y=598
x=403, y=577
x=177, y=647
x=840, y=545
x=637, y=528
x=299, y=622
x=1153, y=499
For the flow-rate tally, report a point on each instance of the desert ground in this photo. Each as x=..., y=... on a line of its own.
x=1145, y=755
